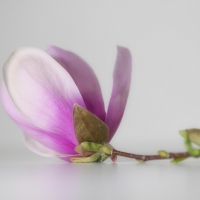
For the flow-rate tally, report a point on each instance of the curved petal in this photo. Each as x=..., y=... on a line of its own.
x=40, y=149
x=54, y=142
x=84, y=77
x=120, y=91
x=10, y=108
x=42, y=91
x=51, y=141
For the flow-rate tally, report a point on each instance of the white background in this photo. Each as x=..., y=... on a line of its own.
x=164, y=39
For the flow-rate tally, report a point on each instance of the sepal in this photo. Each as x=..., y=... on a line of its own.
x=100, y=152
x=93, y=158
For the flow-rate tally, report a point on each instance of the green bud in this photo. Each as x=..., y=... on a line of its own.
x=140, y=161
x=186, y=134
x=194, y=136
x=177, y=160
x=91, y=146
x=106, y=150
x=103, y=151
x=183, y=133
x=163, y=154
x=90, y=159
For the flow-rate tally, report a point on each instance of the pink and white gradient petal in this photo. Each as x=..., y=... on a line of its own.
x=84, y=77
x=120, y=91
x=40, y=149
x=52, y=141
x=43, y=91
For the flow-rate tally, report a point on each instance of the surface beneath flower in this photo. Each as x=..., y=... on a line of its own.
x=49, y=178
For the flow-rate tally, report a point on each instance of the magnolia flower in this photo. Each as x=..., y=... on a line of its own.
x=41, y=88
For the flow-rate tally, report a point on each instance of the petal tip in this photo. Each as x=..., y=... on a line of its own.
x=121, y=48
x=50, y=48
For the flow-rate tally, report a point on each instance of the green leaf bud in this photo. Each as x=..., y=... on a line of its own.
x=106, y=150
x=163, y=154
x=91, y=146
x=186, y=134
x=177, y=160
x=140, y=161
x=194, y=136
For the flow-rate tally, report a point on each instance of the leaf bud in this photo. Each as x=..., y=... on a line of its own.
x=91, y=146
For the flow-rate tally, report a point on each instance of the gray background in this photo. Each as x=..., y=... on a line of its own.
x=164, y=39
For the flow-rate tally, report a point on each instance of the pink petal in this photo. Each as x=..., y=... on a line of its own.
x=84, y=78
x=39, y=148
x=59, y=144
x=42, y=91
x=120, y=91
x=53, y=142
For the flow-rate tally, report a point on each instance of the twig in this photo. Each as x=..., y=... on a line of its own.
x=151, y=157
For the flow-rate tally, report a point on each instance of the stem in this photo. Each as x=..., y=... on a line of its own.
x=151, y=157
